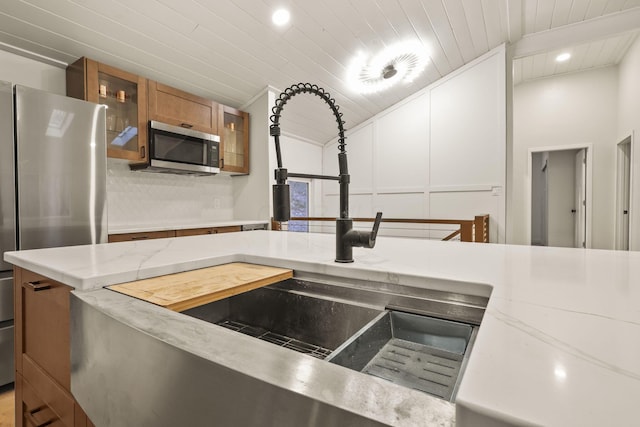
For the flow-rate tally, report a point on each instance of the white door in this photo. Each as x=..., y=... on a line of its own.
x=580, y=210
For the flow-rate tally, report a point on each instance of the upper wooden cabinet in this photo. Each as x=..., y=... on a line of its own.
x=126, y=96
x=134, y=100
x=234, y=140
x=178, y=108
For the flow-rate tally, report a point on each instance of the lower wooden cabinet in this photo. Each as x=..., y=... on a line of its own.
x=43, y=353
x=173, y=233
x=146, y=235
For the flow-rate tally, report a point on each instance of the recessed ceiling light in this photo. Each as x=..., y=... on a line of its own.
x=280, y=17
x=396, y=63
x=563, y=57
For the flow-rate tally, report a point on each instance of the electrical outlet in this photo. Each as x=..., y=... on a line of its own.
x=216, y=203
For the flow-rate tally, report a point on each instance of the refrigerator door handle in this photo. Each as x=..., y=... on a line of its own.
x=37, y=286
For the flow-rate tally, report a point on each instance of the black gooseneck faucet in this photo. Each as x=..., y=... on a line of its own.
x=346, y=236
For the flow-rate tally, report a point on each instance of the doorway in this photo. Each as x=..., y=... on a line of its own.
x=559, y=208
x=623, y=194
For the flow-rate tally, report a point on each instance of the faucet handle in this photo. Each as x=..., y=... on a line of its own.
x=376, y=226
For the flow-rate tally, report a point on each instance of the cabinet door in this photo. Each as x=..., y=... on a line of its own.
x=234, y=140
x=126, y=96
x=42, y=349
x=178, y=108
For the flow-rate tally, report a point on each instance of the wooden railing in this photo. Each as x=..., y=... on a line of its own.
x=472, y=230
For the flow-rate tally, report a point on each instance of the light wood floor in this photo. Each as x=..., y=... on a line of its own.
x=7, y=408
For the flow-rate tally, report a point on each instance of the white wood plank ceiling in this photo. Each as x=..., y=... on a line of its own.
x=229, y=50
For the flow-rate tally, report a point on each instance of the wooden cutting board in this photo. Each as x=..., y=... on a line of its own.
x=182, y=291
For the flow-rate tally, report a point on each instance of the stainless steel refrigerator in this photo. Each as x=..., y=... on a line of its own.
x=52, y=184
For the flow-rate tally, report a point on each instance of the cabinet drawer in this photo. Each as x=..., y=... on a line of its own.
x=35, y=411
x=229, y=229
x=44, y=317
x=55, y=397
x=194, y=231
x=141, y=236
x=207, y=230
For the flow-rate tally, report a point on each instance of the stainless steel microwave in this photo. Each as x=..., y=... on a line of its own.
x=174, y=149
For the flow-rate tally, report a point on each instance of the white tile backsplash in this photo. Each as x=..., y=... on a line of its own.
x=136, y=197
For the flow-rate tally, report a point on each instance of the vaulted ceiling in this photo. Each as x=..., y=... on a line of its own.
x=230, y=51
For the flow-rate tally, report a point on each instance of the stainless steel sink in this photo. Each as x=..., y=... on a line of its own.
x=304, y=323
x=413, y=337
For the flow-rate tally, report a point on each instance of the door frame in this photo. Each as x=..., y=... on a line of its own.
x=580, y=171
x=617, y=238
x=589, y=187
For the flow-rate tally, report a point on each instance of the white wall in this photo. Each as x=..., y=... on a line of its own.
x=438, y=154
x=574, y=109
x=629, y=124
x=28, y=72
x=252, y=193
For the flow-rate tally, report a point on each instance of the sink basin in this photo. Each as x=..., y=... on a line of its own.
x=304, y=323
x=415, y=351
x=413, y=337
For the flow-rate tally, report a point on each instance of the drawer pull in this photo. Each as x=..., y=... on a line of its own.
x=37, y=286
x=186, y=125
x=139, y=237
x=32, y=419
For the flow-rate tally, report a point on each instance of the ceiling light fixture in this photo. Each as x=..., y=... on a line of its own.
x=563, y=57
x=399, y=62
x=280, y=17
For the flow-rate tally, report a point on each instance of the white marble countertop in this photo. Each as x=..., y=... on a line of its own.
x=559, y=343
x=137, y=228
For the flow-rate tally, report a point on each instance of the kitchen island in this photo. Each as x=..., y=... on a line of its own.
x=558, y=344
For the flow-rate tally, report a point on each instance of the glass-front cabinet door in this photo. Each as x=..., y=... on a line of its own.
x=234, y=140
x=121, y=96
x=125, y=95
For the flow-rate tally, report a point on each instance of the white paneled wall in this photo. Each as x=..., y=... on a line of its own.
x=360, y=162
x=402, y=149
x=303, y=156
x=439, y=154
x=142, y=198
x=629, y=124
x=467, y=127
